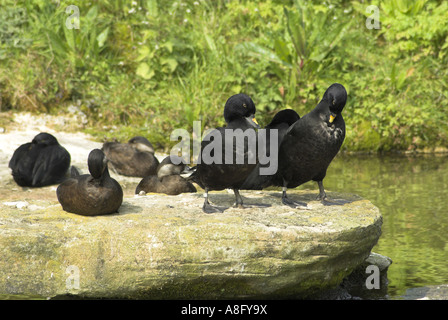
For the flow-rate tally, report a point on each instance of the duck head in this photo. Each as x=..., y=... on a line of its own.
x=240, y=106
x=97, y=163
x=172, y=165
x=44, y=138
x=336, y=96
x=142, y=144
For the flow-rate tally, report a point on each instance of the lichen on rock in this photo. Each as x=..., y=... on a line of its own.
x=165, y=247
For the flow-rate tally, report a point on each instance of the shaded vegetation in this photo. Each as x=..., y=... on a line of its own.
x=148, y=67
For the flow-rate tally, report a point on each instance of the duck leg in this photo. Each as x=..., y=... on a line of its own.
x=322, y=195
x=239, y=202
x=208, y=208
x=325, y=200
x=238, y=199
x=288, y=202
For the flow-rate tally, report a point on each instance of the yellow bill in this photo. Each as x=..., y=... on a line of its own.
x=332, y=117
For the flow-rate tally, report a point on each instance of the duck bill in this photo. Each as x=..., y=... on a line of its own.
x=332, y=117
x=187, y=169
x=253, y=122
x=187, y=172
x=144, y=148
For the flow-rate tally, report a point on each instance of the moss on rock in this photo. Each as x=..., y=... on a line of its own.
x=164, y=247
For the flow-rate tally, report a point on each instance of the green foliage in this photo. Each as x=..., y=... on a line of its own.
x=301, y=49
x=150, y=66
x=12, y=20
x=406, y=91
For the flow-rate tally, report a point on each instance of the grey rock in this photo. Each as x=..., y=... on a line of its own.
x=354, y=287
x=165, y=247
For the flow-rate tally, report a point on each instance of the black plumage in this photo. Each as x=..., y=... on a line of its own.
x=215, y=173
x=311, y=143
x=41, y=162
x=168, y=179
x=281, y=122
x=134, y=158
x=91, y=194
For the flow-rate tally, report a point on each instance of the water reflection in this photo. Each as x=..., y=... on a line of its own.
x=411, y=194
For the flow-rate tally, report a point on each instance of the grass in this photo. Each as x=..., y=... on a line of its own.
x=149, y=67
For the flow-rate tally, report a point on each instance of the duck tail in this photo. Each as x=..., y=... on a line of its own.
x=74, y=172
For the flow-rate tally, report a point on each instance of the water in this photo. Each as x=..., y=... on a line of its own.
x=410, y=192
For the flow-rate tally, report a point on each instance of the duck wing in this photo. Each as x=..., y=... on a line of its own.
x=51, y=166
x=22, y=163
x=258, y=181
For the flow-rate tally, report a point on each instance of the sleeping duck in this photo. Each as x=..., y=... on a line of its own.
x=41, y=162
x=134, y=158
x=168, y=179
x=91, y=194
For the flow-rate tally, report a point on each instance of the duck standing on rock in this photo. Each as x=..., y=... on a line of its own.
x=217, y=173
x=91, y=194
x=133, y=159
x=168, y=179
x=311, y=143
x=41, y=162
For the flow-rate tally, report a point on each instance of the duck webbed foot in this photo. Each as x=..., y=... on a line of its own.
x=208, y=208
x=327, y=201
x=239, y=202
x=333, y=202
x=291, y=203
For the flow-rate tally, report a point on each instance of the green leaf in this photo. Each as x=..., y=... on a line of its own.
x=292, y=85
x=393, y=74
x=282, y=50
x=153, y=8
x=236, y=89
x=92, y=13
x=69, y=37
x=337, y=36
x=144, y=71
x=58, y=46
x=401, y=79
x=102, y=37
x=296, y=30
x=261, y=52
x=168, y=45
x=143, y=53
x=211, y=43
x=318, y=56
x=172, y=63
